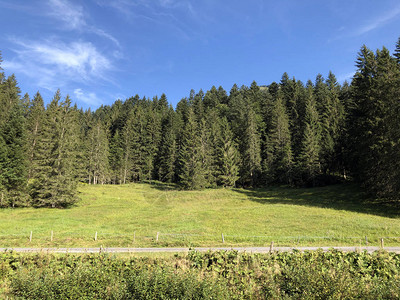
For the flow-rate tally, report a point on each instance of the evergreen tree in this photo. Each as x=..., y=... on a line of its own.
x=308, y=161
x=250, y=149
x=191, y=173
x=227, y=156
x=167, y=151
x=35, y=126
x=55, y=183
x=280, y=143
x=97, y=154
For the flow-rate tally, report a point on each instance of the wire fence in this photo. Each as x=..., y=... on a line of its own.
x=179, y=239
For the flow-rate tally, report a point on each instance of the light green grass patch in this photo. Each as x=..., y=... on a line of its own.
x=131, y=215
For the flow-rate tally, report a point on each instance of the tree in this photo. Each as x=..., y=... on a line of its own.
x=308, y=161
x=55, y=182
x=97, y=154
x=191, y=173
x=227, y=156
x=280, y=144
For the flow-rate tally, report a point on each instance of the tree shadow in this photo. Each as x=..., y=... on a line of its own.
x=162, y=186
x=346, y=196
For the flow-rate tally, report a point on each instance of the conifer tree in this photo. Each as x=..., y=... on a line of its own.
x=35, y=126
x=167, y=151
x=308, y=161
x=280, y=143
x=55, y=182
x=97, y=154
x=191, y=173
x=250, y=149
x=227, y=156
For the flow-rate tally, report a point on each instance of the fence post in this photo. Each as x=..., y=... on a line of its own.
x=157, y=236
x=30, y=237
x=51, y=236
x=271, y=248
x=223, y=239
x=95, y=236
x=382, y=245
x=366, y=240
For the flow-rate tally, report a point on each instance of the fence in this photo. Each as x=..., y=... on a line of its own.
x=187, y=239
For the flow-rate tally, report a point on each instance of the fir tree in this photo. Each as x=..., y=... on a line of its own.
x=227, y=156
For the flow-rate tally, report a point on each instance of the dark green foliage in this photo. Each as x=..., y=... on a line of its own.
x=192, y=173
x=280, y=154
x=54, y=183
x=309, y=158
x=210, y=275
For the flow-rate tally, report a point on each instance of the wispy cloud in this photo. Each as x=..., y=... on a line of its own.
x=56, y=64
x=73, y=17
x=89, y=98
x=379, y=21
x=160, y=12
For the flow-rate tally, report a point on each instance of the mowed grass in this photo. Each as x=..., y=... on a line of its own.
x=131, y=215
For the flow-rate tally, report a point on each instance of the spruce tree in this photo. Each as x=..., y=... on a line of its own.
x=191, y=172
x=308, y=161
x=228, y=158
x=280, y=143
x=55, y=182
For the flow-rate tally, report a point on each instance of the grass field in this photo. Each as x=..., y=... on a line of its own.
x=131, y=215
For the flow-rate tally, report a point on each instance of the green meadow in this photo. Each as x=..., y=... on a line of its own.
x=133, y=215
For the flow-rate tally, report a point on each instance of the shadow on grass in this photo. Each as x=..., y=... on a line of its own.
x=346, y=196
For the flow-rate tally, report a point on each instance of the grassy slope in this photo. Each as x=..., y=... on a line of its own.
x=286, y=216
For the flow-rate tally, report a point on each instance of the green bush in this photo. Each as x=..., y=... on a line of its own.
x=211, y=275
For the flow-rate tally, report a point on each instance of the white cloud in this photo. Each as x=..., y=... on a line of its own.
x=70, y=14
x=53, y=64
x=73, y=18
x=88, y=98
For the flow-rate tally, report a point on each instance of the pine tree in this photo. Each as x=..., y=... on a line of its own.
x=308, y=161
x=280, y=143
x=227, y=156
x=97, y=154
x=167, y=150
x=250, y=149
x=35, y=126
x=191, y=173
x=55, y=182
x=14, y=163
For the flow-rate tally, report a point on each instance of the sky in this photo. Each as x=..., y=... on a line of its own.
x=98, y=51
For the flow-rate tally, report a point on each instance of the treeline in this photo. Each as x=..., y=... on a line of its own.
x=287, y=133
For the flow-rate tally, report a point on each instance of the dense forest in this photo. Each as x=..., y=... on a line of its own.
x=288, y=132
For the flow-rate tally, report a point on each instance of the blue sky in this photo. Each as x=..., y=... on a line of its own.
x=98, y=51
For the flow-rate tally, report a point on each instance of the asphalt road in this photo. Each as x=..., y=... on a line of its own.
x=200, y=249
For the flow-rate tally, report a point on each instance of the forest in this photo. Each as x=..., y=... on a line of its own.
x=288, y=132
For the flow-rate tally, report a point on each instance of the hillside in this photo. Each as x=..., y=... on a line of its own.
x=131, y=215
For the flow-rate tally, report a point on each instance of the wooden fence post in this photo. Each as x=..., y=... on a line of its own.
x=157, y=236
x=223, y=239
x=382, y=245
x=30, y=237
x=271, y=248
x=51, y=236
x=95, y=236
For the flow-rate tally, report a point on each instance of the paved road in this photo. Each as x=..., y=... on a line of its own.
x=200, y=249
